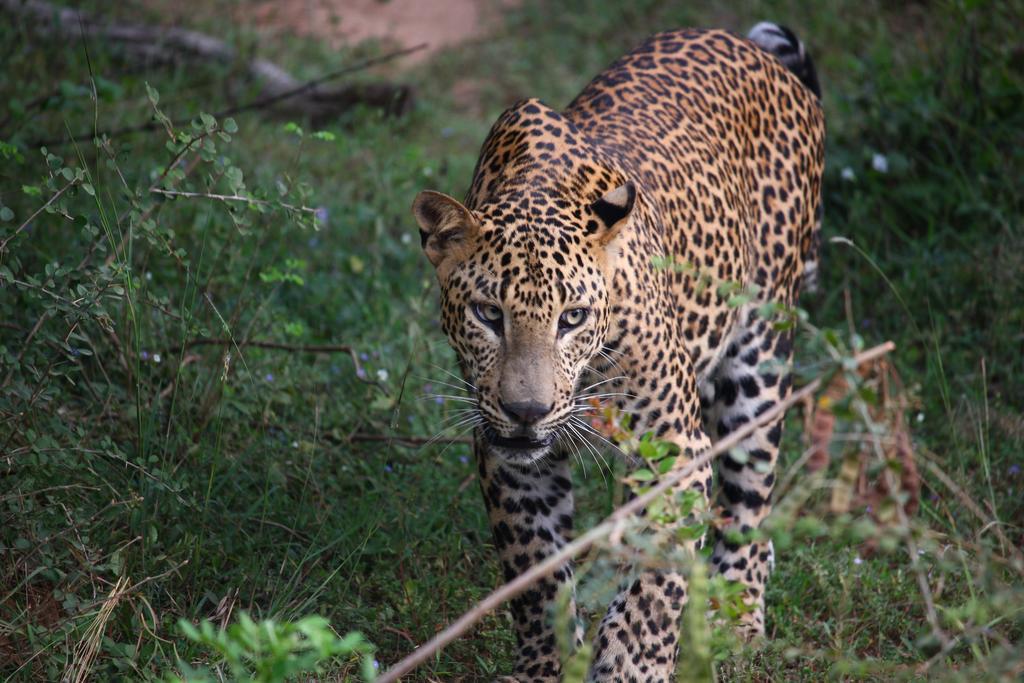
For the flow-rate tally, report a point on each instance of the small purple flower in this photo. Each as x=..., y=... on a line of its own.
x=388, y=469
x=363, y=356
x=1014, y=470
x=321, y=215
x=360, y=373
x=464, y=460
x=428, y=388
x=144, y=355
x=857, y=560
x=75, y=352
x=439, y=400
x=867, y=509
x=269, y=377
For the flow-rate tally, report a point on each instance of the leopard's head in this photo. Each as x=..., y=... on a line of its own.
x=525, y=280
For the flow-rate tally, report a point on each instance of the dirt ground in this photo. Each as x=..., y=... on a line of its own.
x=399, y=23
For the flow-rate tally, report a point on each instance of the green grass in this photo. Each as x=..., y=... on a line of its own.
x=245, y=488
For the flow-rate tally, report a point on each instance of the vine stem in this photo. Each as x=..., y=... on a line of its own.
x=615, y=520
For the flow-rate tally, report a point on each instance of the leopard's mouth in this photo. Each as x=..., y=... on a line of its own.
x=521, y=442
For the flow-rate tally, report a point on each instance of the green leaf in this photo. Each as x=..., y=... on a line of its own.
x=235, y=178
x=642, y=474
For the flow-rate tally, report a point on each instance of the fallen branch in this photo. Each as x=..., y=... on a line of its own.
x=283, y=346
x=605, y=528
x=156, y=44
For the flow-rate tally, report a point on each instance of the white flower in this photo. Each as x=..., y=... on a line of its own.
x=406, y=238
x=156, y=358
x=847, y=174
x=857, y=560
x=382, y=375
x=920, y=417
x=880, y=163
x=149, y=276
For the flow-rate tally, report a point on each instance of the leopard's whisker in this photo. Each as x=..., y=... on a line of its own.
x=449, y=397
x=597, y=384
x=456, y=387
x=589, y=446
x=455, y=377
x=598, y=434
x=598, y=457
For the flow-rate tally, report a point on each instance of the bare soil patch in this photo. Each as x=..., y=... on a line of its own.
x=398, y=23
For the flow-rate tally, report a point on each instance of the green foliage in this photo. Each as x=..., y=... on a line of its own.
x=270, y=652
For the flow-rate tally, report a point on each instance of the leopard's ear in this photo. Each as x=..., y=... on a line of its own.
x=612, y=210
x=447, y=228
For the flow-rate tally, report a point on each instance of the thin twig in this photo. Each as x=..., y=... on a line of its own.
x=968, y=502
x=410, y=440
x=931, y=615
x=229, y=198
x=51, y=200
x=583, y=543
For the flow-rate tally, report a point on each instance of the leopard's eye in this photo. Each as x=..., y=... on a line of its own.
x=488, y=314
x=572, y=318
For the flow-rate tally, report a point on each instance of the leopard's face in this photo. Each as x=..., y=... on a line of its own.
x=524, y=304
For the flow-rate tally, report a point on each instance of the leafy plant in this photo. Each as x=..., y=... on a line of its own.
x=273, y=652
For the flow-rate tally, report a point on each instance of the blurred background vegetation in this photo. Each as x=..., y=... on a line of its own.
x=216, y=404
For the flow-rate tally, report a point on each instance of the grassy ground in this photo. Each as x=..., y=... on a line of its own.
x=220, y=479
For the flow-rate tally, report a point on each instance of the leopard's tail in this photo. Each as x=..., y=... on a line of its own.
x=787, y=48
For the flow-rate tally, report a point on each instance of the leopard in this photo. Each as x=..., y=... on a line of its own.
x=700, y=147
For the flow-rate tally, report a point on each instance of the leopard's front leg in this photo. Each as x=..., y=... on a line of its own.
x=638, y=639
x=530, y=509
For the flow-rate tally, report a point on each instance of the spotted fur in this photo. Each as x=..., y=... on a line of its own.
x=699, y=146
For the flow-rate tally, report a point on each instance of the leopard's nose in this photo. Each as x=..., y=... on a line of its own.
x=526, y=412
